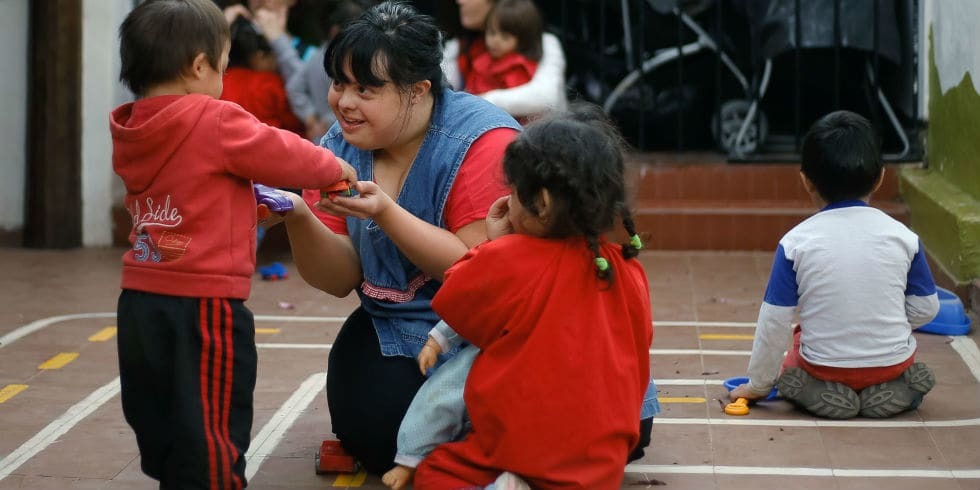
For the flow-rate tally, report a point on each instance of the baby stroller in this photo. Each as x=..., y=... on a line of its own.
x=727, y=122
x=854, y=34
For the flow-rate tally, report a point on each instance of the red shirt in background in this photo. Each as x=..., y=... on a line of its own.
x=263, y=94
x=488, y=73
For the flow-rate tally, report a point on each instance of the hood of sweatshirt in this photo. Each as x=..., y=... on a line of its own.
x=143, y=149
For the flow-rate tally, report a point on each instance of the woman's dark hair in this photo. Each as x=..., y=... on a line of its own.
x=521, y=19
x=159, y=39
x=389, y=42
x=578, y=157
x=840, y=156
x=246, y=41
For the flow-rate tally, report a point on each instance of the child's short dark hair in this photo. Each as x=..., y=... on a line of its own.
x=521, y=19
x=840, y=156
x=160, y=38
x=392, y=37
x=579, y=158
x=246, y=42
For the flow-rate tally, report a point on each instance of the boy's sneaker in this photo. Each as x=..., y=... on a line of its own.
x=826, y=399
x=898, y=395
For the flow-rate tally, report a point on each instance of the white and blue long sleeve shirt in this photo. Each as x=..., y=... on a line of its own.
x=860, y=284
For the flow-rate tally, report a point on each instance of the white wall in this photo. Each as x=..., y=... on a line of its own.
x=13, y=112
x=101, y=92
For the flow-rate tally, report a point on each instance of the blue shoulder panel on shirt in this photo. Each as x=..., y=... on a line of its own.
x=782, y=288
x=920, y=282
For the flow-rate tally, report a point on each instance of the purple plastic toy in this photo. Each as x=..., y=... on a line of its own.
x=272, y=200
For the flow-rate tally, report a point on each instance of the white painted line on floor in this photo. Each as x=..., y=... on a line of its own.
x=687, y=382
x=875, y=424
x=967, y=349
x=75, y=414
x=783, y=471
x=666, y=352
x=24, y=330
x=271, y=434
x=277, y=345
x=658, y=323
x=302, y=319
x=34, y=326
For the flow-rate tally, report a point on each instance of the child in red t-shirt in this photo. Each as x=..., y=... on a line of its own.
x=252, y=80
x=186, y=340
x=512, y=38
x=563, y=335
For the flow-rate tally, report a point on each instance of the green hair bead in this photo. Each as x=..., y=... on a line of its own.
x=601, y=264
x=636, y=242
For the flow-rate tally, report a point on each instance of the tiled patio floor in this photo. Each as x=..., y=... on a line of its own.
x=65, y=429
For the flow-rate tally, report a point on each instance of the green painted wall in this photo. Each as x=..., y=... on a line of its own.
x=953, y=142
x=944, y=199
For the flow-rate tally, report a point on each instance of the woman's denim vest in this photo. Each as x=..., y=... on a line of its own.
x=395, y=292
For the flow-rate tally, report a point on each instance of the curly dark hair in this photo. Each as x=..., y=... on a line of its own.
x=578, y=156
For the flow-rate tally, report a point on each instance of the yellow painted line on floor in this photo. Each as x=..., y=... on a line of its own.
x=683, y=399
x=103, y=335
x=722, y=336
x=350, y=480
x=10, y=391
x=59, y=361
x=267, y=330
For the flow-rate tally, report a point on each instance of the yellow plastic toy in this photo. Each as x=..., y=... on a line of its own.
x=738, y=407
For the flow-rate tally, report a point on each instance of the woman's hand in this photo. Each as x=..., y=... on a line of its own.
x=371, y=202
x=299, y=207
x=429, y=355
x=498, y=219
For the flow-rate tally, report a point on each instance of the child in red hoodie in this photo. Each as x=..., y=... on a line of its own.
x=187, y=357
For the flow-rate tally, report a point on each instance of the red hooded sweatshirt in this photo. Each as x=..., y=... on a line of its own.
x=188, y=163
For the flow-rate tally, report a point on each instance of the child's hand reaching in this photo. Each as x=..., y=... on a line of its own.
x=498, y=219
x=347, y=172
x=429, y=355
x=743, y=391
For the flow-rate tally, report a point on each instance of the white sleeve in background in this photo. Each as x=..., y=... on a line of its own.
x=450, y=66
x=773, y=334
x=920, y=310
x=445, y=336
x=286, y=56
x=546, y=90
x=298, y=93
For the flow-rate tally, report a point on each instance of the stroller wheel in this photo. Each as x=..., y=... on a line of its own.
x=728, y=121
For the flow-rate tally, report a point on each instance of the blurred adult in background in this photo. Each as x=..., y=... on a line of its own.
x=546, y=90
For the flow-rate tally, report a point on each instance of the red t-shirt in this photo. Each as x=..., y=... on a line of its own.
x=263, y=94
x=561, y=349
x=479, y=182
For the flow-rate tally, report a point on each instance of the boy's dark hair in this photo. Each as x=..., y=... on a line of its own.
x=160, y=39
x=840, y=156
x=521, y=19
x=393, y=38
x=578, y=157
x=246, y=41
